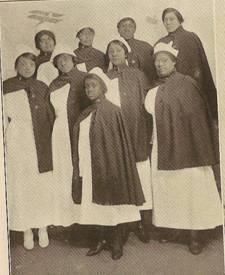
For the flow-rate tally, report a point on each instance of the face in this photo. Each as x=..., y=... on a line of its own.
x=86, y=37
x=65, y=62
x=93, y=89
x=164, y=64
x=46, y=43
x=127, y=29
x=116, y=54
x=25, y=67
x=171, y=22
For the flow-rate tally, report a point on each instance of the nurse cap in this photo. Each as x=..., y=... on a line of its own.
x=163, y=47
x=21, y=49
x=120, y=38
x=43, y=27
x=78, y=31
x=99, y=72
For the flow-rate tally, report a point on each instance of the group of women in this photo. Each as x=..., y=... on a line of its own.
x=104, y=139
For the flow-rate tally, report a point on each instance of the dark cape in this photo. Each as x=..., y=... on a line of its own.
x=77, y=100
x=91, y=57
x=42, y=58
x=115, y=178
x=133, y=87
x=144, y=55
x=42, y=117
x=185, y=132
x=192, y=61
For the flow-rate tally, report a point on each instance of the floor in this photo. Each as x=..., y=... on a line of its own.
x=63, y=257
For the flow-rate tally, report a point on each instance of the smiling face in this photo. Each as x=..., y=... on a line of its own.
x=46, y=44
x=93, y=89
x=65, y=62
x=171, y=22
x=116, y=54
x=25, y=67
x=86, y=37
x=164, y=63
x=127, y=29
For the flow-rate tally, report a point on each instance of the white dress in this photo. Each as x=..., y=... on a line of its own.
x=185, y=198
x=29, y=193
x=92, y=213
x=65, y=209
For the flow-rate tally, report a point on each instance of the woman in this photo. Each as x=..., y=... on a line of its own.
x=68, y=100
x=191, y=59
x=86, y=55
x=45, y=42
x=185, y=195
x=129, y=93
x=28, y=152
x=105, y=178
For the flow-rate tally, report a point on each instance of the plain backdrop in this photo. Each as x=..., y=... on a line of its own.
x=103, y=16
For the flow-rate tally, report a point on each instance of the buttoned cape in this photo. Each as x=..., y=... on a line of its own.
x=133, y=86
x=144, y=55
x=115, y=178
x=90, y=56
x=41, y=113
x=185, y=133
x=192, y=61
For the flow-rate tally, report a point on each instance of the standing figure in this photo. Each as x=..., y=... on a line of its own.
x=129, y=94
x=86, y=55
x=191, y=59
x=67, y=98
x=141, y=49
x=28, y=128
x=185, y=195
x=105, y=178
x=45, y=42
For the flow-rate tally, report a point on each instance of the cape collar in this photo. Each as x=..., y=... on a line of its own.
x=176, y=32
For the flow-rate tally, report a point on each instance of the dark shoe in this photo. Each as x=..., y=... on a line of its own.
x=171, y=236
x=142, y=234
x=97, y=249
x=117, y=253
x=195, y=247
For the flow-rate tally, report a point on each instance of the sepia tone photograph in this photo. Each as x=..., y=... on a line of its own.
x=111, y=120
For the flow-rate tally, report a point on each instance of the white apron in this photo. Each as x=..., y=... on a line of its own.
x=29, y=192
x=65, y=209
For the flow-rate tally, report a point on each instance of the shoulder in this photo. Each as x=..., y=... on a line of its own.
x=98, y=52
x=9, y=84
x=163, y=39
x=9, y=81
x=111, y=106
x=40, y=84
x=54, y=84
x=143, y=43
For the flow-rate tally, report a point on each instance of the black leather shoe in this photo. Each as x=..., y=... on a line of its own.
x=117, y=253
x=142, y=234
x=97, y=249
x=195, y=247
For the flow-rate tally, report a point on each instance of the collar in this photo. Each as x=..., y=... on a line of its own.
x=165, y=80
x=177, y=31
x=121, y=67
x=47, y=54
x=81, y=46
